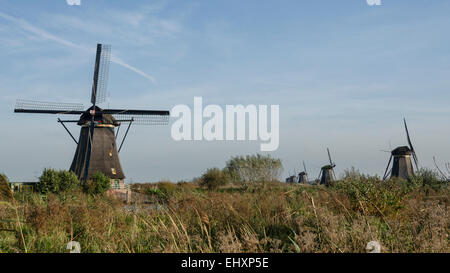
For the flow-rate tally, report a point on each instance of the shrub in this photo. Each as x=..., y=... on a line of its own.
x=4, y=177
x=378, y=196
x=254, y=168
x=163, y=191
x=52, y=181
x=159, y=195
x=352, y=173
x=167, y=188
x=99, y=184
x=427, y=179
x=4, y=187
x=213, y=178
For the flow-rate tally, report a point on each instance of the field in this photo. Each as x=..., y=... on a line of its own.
x=245, y=217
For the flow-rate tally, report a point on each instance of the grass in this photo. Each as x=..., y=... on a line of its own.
x=259, y=217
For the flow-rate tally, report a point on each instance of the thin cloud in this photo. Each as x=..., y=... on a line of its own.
x=118, y=61
x=23, y=24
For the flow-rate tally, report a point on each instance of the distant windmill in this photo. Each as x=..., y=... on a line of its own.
x=303, y=176
x=402, y=166
x=292, y=178
x=96, y=148
x=326, y=175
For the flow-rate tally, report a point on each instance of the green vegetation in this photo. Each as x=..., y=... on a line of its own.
x=99, y=184
x=214, y=178
x=212, y=215
x=257, y=217
x=52, y=181
x=3, y=177
x=254, y=168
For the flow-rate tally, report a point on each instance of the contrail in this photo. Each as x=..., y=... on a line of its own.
x=44, y=34
x=132, y=68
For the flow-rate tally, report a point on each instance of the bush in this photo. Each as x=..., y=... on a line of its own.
x=99, y=184
x=4, y=177
x=254, y=168
x=4, y=187
x=213, y=178
x=428, y=179
x=167, y=188
x=163, y=191
x=378, y=195
x=52, y=181
x=352, y=173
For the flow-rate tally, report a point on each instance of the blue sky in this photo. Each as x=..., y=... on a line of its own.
x=344, y=74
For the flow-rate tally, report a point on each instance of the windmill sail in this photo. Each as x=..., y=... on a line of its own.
x=416, y=161
x=40, y=107
x=101, y=73
x=105, y=61
x=329, y=157
x=141, y=117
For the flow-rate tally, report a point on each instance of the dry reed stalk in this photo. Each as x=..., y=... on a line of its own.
x=6, y=192
x=184, y=230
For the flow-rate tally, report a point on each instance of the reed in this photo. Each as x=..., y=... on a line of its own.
x=259, y=217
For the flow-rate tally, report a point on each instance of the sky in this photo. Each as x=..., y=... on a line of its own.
x=343, y=73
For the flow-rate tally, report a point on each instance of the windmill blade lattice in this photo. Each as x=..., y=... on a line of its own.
x=143, y=119
x=48, y=107
x=416, y=161
x=105, y=61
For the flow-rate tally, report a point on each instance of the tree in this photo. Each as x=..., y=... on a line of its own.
x=254, y=168
x=52, y=181
x=213, y=178
x=99, y=184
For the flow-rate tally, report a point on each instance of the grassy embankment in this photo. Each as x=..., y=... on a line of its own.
x=258, y=217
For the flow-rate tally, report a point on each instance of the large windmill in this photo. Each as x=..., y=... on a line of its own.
x=402, y=166
x=96, y=147
x=326, y=175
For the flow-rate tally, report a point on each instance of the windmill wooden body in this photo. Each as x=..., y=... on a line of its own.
x=291, y=179
x=327, y=176
x=105, y=155
x=97, y=150
x=303, y=176
x=402, y=166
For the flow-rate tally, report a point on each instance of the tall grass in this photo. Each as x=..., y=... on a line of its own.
x=261, y=217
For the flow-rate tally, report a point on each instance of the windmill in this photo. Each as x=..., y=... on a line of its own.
x=402, y=166
x=291, y=178
x=96, y=147
x=327, y=173
x=303, y=176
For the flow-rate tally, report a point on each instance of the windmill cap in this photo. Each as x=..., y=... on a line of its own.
x=403, y=150
x=106, y=119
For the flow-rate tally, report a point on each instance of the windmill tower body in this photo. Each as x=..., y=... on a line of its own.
x=327, y=172
x=104, y=155
x=327, y=176
x=402, y=165
x=303, y=178
x=291, y=179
